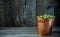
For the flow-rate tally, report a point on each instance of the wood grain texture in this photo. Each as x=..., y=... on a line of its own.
x=22, y=12
x=26, y=12
x=2, y=13
x=25, y=32
x=45, y=6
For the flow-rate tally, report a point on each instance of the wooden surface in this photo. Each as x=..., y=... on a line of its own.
x=22, y=12
x=25, y=32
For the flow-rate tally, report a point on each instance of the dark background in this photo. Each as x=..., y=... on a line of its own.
x=22, y=13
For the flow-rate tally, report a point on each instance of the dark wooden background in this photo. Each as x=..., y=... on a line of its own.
x=22, y=13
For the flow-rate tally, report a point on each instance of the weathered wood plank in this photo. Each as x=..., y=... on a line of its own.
x=26, y=12
x=30, y=13
x=2, y=13
x=45, y=6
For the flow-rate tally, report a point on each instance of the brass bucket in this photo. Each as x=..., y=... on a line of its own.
x=44, y=26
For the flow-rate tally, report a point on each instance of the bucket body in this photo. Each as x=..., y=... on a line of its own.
x=44, y=26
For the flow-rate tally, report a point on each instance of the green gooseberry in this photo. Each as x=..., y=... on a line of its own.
x=41, y=16
x=45, y=16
